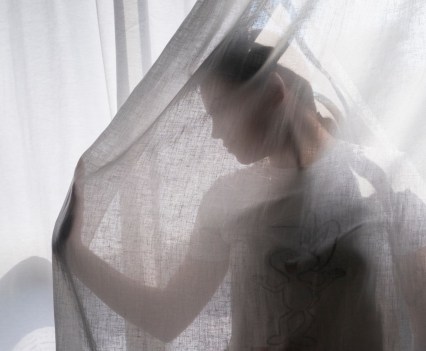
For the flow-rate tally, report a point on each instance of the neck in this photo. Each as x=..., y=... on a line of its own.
x=306, y=141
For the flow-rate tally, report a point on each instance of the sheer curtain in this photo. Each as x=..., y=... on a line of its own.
x=262, y=188
x=66, y=68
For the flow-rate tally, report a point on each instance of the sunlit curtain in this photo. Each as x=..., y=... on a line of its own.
x=65, y=68
x=262, y=188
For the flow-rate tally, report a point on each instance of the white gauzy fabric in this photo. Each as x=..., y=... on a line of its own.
x=247, y=195
x=58, y=91
x=53, y=104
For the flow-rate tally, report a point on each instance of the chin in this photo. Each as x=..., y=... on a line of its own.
x=244, y=159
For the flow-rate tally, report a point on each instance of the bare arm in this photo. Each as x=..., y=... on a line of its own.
x=164, y=313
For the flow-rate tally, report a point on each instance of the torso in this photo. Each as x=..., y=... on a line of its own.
x=307, y=258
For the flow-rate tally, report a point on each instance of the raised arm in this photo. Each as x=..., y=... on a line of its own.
x=164, y=313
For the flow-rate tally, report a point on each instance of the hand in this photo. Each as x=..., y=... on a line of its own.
x=68, y=228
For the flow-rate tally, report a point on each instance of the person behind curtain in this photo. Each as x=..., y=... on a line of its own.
x=292, y=228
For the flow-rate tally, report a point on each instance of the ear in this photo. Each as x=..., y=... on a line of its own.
x=276, y=89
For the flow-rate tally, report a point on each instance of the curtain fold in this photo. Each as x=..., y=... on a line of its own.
x=261, y=188
x=58, y=91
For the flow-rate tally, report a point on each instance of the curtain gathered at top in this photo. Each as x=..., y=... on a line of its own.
x=261, y=188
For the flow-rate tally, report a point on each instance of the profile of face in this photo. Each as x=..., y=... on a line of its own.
x=257, y=121
x=243, y=118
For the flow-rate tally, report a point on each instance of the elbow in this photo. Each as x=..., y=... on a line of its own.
x=165, y=332
x=170, y=336
x=172, y=327
x=174, y=324
x=165, y=324
x=164, y=314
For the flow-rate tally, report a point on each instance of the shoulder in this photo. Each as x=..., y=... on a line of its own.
x=400, y=172
x=381, y=162
x=220, y=198
x=380, y=169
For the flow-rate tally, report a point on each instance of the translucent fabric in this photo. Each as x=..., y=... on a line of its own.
x=247, y=196
x=60, y=63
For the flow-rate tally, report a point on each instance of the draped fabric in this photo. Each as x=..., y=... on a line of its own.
x=59, y=65
x=261, y=189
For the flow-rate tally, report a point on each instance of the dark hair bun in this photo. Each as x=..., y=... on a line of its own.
x=237, y=58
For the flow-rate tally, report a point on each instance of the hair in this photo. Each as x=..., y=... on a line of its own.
x=239, y=60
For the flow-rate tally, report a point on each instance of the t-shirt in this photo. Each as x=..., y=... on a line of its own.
x=311, y=253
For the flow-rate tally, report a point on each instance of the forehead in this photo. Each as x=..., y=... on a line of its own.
x=216, y=90
x=219, y=91
x=216, y=85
